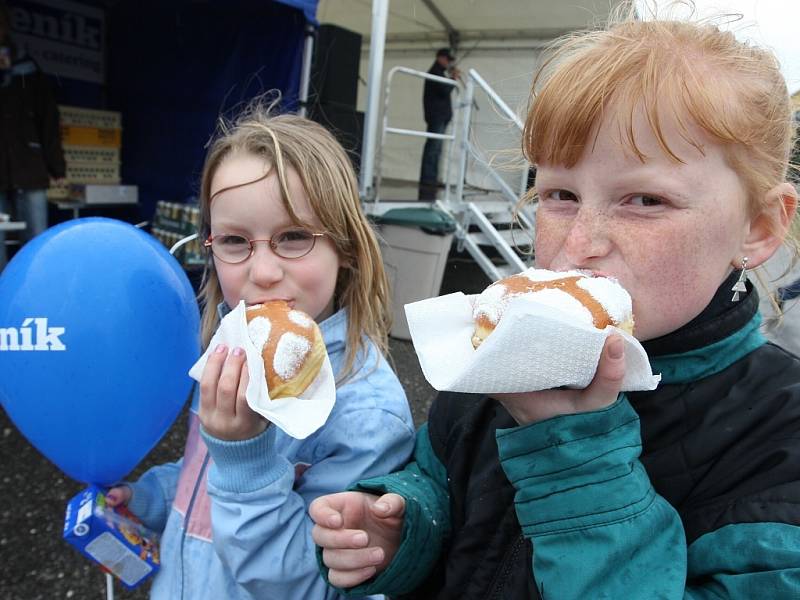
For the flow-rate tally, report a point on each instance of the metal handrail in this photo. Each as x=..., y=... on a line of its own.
x=422, y=74
x=504, y=187
x=526, y=221
x=409, y=132
x=504, y=108
x=496, y=99
x=418, y=133
x=465, y=213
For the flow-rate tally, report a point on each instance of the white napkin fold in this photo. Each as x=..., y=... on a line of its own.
x=298, y=417
x=534, y=347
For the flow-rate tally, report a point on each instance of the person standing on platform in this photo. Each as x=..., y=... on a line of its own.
x=30, y=141
x=438, y=113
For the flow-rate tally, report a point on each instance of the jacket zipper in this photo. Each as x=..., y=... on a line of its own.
x=189, y=510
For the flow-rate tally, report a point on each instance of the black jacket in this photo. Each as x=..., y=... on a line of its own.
x=436, y=97
x=30, y=139
x=721, y=449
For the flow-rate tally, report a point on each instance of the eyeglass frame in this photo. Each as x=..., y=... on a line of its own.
x=272, y=246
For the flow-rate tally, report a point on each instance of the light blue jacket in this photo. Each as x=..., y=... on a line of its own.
x=251, y=497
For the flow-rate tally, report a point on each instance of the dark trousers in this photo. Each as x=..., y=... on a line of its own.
x=429, y=169
x=30, y=207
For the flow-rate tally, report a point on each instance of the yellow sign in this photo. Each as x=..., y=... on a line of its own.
x=91, y=136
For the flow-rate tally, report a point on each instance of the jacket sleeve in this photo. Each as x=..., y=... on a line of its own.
x=426, y=524
x=599, y=529
x=745, y=560
x=49, y=128
x=261, y=527
x=153, y=494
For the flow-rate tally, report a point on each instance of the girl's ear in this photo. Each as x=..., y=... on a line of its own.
x=769, y=228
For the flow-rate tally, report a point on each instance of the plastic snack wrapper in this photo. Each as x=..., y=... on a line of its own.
x=533, y=348
x=298, y=417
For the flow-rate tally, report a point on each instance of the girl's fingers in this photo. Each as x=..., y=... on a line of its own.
x=389, y=505
x=607, y=382
x=339, y=539
x=353, y=560
x=210, y=378
x=118, y=495
x=228, y=384
x=324, y=513
x=241, y=395
x=347, y=579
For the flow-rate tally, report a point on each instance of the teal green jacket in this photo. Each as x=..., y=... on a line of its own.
x=690, y=491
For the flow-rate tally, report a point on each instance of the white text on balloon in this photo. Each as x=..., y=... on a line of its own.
x=47, y=338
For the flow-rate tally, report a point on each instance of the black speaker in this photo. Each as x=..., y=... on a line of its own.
x=346, y=124
x=334, y=69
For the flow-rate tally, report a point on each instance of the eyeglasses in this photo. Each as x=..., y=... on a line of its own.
x=291, y=243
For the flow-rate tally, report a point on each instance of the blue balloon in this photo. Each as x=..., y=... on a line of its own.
x=98, y=328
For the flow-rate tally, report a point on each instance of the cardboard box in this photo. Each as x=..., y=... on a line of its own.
x=91, y=154
x=104, y=194
x=58, y=192
x=91, y=136
x=112, y=537
x=89, y=117
x=93, y=173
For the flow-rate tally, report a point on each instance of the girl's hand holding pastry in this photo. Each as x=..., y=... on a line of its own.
x=224, y=411
x=531, y=407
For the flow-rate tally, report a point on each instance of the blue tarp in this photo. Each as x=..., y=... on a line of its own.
x=175, y=66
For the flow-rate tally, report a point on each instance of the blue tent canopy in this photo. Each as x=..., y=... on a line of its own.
x=309, y=8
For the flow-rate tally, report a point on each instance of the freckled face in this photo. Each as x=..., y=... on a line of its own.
x=669, y=232
x=256, y=212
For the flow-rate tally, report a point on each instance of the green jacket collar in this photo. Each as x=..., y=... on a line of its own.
x=723, y=333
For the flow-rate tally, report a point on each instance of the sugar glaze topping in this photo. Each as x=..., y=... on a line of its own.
x=290, y=354
x=595, y=300
x=291, y=337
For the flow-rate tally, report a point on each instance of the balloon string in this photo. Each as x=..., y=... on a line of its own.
x=181, y=242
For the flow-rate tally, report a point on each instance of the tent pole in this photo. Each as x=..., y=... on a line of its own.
x=305, y=71
x=380, y=15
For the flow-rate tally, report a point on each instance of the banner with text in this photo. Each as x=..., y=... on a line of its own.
x=67, y=39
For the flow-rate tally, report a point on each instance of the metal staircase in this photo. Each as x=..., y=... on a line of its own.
x=489, y=226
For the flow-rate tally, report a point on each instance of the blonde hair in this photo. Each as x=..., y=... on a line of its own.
x=692, y=72
x=289, y=141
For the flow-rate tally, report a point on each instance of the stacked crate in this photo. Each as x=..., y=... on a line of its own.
x=91, y=140
x=173, y=222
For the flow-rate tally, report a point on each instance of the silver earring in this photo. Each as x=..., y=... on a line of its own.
x=740, y=285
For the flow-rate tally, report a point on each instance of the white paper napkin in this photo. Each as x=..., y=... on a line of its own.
x=533, y=348
x=298, y=417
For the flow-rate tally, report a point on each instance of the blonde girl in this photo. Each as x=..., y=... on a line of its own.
x=282, y=220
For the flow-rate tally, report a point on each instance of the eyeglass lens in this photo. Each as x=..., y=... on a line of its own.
x=292, y=243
